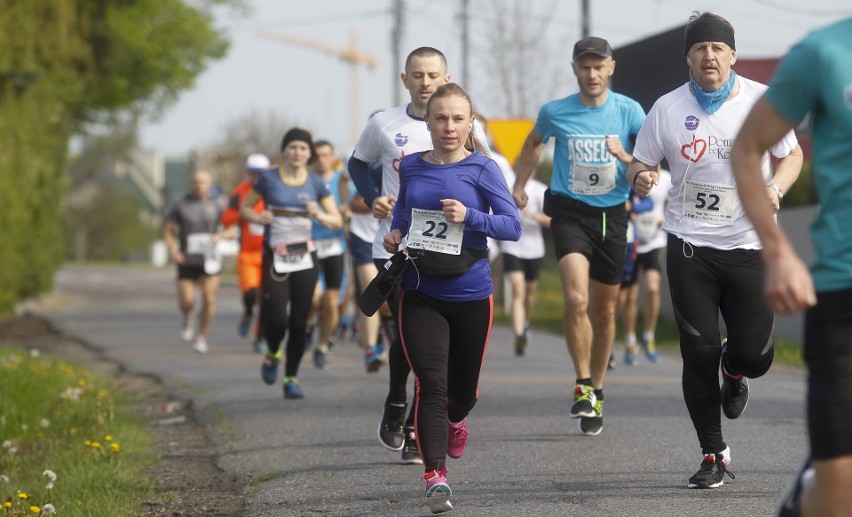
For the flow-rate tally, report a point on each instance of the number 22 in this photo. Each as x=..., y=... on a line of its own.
x=442, y=233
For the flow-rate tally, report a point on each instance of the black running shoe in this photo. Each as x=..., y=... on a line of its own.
x=520, y=345
x=410, y=452
x=584, y=401
x=592, y=426
x=711, y=473
x=391, y=432
x=734, y=390
x=791, y=501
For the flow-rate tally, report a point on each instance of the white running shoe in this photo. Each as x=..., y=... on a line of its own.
x=200, y=346
x=187, y=333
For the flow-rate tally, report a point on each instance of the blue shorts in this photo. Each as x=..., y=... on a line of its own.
x=361, y=250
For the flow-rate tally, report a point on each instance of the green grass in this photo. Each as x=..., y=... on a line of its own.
x=547, y=316
x=59, y=417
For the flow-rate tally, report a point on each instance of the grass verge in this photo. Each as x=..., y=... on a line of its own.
x=70, y=443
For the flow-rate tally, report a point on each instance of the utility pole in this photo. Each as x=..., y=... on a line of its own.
x=585, y=19
x=349, y=54
x=396, y=41
x=465, y=44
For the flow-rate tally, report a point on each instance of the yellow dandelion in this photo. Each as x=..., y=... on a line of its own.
x=88, y=443
x=35, y=509
x=108, y=438
x=116, y=448
x=82, y=382
x=96, y=445
x=7, y=504
x=102, y=394
x=23, y=495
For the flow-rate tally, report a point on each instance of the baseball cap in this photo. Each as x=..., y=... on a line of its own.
x=257, y=162
x=592, y=45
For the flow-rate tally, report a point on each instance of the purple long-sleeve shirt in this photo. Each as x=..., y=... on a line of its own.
x=478, y=184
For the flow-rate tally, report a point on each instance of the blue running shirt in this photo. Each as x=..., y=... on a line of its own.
x=583, y=167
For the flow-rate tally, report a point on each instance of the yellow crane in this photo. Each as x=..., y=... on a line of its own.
x=348, y=54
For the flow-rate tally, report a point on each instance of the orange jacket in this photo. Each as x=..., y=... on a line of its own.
x=249, y=242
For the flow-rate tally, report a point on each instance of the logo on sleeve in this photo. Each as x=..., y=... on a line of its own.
x=400, y=140
x=695, y=150
x=691, y=122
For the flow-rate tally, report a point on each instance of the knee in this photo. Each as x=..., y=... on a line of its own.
x=576, y=303
x=751, y=361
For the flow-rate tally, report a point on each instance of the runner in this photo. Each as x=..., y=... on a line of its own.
x=293, y=197
x=331, y=252
x=522, y=262
x=196, y=219
x=713, y=253
x=815, y=78
x=593, y=130
x=388, y=137
x=647, y=216
x=250, y=257
x=446, y=306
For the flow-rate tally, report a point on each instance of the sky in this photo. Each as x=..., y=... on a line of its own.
x=311, y=88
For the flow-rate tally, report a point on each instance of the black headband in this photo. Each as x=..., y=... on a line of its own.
x=297, y=134
x=708, y=29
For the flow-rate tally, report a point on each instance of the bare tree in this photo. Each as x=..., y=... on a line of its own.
x=258, y=131
x=523, y=67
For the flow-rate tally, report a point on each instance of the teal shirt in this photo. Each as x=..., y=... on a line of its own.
x=583, y=167
x=816, y=78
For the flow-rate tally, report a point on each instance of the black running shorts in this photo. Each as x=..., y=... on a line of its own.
x=599, y=234
x=828, y=353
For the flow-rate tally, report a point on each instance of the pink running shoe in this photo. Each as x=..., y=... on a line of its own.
x=438, y=492
x=456, y=438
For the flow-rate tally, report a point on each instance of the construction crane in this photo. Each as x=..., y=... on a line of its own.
x=349, y=54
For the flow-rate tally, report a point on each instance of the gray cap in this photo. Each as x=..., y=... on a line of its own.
x=592, y=45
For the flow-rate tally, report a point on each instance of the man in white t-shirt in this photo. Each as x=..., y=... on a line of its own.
x=714, y=254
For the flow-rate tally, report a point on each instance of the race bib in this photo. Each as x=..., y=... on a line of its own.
x=593, y=179
x=710, y=203
x=256, y=229
x=330, y=247
x=292, y=263
x=198, y=243
x=431, y=231
x=646, y=226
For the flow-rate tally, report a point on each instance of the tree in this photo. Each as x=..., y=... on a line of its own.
x=69, y=63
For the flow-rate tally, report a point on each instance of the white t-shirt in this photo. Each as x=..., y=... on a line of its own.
x=388, y=137
x=658, y=195
x=531, y=243
x=704, y=208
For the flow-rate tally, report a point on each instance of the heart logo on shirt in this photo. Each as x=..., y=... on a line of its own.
x=694, y=150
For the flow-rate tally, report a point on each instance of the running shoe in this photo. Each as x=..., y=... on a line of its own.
x=259, y=346
x=734, y=389
x=391, y=432
x=292, y=390
x=200, y=346
x=592, y=426
x=456, y=438
x=410, y=452
x=373, y=358
x=612, y=363
x=187, y=333
x=438, y=492
x=320, y=360
x=631, y=355
x=791, y=501
x=712, y=472
x=584, y=401
x=650, y=350
x=520, y=345
x=244, y=326
x=269, y=368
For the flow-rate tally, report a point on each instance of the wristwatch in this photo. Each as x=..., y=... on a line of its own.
x=777, y=190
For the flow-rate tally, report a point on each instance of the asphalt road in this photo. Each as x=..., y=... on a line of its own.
x=320, y=455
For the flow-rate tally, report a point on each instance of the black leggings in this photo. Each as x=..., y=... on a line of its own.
x=703, y=282
x=445, y=344
x=277, y=290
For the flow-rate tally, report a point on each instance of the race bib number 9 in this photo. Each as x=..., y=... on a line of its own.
x=593, y=179
x=711, y=203
x=431, y=231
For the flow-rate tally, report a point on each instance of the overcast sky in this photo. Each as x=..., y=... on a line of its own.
x=313, y=89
